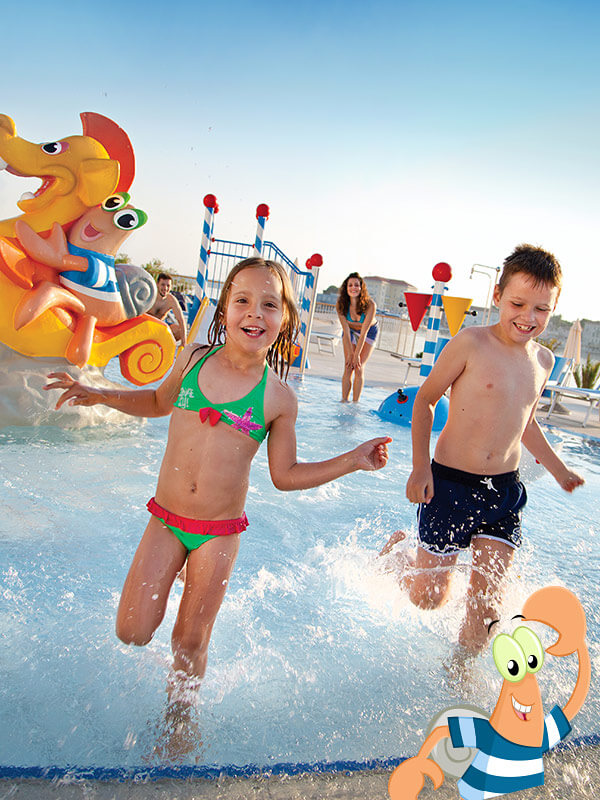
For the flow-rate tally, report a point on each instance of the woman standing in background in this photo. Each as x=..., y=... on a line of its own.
x=356, y=312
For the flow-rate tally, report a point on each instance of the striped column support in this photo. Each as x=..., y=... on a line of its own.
x=441, y=275
x=262, y=215
x=211, y=208
x=307, y=305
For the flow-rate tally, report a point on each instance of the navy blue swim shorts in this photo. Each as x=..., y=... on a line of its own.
x=465, y=505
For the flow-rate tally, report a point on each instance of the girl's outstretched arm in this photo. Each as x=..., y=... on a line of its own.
x=287, y=474
x=137, y=402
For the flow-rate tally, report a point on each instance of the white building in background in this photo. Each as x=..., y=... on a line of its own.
x=387, y=292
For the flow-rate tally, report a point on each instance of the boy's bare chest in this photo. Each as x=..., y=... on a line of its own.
x=498, y=381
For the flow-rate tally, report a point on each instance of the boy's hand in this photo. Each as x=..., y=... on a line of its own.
x=419, y=487
x=76, y=393
x=569, y=480
x=372, y=454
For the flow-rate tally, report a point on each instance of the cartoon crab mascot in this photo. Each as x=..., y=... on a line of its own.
x=507, y=748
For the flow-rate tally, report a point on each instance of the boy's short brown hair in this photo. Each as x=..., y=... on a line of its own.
x=541, y=265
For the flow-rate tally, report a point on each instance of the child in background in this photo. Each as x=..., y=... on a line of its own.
x=225, y=399
x=470, y=495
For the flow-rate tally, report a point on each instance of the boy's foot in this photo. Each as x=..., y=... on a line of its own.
x=397, y=536
x=402, y=562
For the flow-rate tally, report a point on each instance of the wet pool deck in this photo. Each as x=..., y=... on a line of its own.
x=389, y=372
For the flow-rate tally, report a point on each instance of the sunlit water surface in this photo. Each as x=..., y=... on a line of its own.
x=316, y=654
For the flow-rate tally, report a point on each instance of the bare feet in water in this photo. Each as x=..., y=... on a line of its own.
x=179, y=734
x=401, y=562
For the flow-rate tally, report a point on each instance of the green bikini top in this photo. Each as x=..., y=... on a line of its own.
x=246, y=414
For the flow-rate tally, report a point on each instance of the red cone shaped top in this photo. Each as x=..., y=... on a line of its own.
x=417, y=304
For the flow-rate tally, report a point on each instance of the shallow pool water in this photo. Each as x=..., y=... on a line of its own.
x=316, y=654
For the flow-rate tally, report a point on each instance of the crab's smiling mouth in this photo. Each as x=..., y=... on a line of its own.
x=520, y=710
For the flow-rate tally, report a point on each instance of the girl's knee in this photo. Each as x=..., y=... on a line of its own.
x=131, y=632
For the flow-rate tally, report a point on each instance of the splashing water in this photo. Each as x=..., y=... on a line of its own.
x=317, y=655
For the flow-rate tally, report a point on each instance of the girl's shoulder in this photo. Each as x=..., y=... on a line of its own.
x=279, y=396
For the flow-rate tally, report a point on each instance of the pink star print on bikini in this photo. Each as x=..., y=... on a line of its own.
x=243, y=424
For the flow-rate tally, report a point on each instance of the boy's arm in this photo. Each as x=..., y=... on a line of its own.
x=137, y=402
x=534, y=440
x=450, y=364
x=287, y=474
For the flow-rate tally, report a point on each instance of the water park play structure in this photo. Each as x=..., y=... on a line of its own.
x=63, y=296
x=398, y=407
x=224, y=254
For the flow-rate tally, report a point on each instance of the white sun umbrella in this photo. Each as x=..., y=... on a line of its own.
x=573, y=344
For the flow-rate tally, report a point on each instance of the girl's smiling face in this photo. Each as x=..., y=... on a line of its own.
x=255, y=309
x=525, y=307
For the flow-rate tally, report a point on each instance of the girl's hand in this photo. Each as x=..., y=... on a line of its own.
x=350, y=357
x=373, y=454
x=76, y=393
x=356, y=362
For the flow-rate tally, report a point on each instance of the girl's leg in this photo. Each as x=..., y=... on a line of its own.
x=359, y=372
x=430, y=582
x=207, y=576
x=491, y=560
x=158, y=559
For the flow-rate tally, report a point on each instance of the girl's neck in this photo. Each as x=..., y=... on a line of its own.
x=242, y=359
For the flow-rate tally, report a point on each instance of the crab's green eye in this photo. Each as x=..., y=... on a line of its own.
x=130, y=218
x=509, y=658
x=116, y=201
x=531, y=646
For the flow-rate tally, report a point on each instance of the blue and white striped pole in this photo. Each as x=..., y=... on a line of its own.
x=441, y=275
x=262, y=215
x=212, y=207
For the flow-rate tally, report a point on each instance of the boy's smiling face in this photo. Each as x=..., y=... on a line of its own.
x=525, y=307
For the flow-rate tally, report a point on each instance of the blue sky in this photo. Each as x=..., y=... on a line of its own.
x=387, y=136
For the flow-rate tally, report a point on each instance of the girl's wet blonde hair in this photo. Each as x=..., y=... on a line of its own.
x=281, y=353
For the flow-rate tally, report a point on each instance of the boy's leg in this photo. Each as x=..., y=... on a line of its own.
x=429, y=583
x=207, y=576
x=491, y=560
x=157, y=560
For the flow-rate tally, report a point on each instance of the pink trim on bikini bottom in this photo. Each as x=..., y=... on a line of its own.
x=206, y=527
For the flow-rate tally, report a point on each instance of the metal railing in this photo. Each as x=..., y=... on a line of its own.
x=395, y=332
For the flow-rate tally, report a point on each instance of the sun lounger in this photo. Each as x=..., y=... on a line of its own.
x=590, y=396
x=326, y=341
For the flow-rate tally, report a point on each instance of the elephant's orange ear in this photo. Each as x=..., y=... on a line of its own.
x=115, y=141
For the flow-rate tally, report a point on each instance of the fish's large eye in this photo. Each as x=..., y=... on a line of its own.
x=130, y=218
x=116, y=201
x=532, y=648
x=54, y=148
x=509, y=658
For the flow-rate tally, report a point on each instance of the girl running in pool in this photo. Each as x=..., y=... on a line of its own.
x=224, y=400
x=356, y=313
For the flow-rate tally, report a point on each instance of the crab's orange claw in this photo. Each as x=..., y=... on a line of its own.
x=408, y=778
x=560, y=609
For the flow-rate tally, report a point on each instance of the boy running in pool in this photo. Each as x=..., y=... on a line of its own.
x=470, y=495
x=224, y=400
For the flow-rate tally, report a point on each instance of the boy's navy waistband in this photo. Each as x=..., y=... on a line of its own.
x=471, y=478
